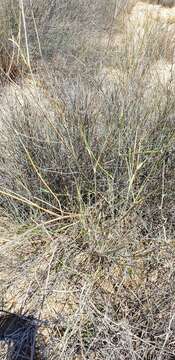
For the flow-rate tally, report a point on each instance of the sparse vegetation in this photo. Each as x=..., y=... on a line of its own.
x=87, y=189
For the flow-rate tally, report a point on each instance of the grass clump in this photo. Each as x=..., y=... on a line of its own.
x=79, y=146
x=11, y=59
x=86, y=173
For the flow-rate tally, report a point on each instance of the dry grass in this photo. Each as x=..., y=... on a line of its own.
x=101, y=298
x=86, y=182
x=12, y=62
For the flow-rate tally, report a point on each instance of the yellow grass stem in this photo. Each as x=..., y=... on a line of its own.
x=36, y=206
